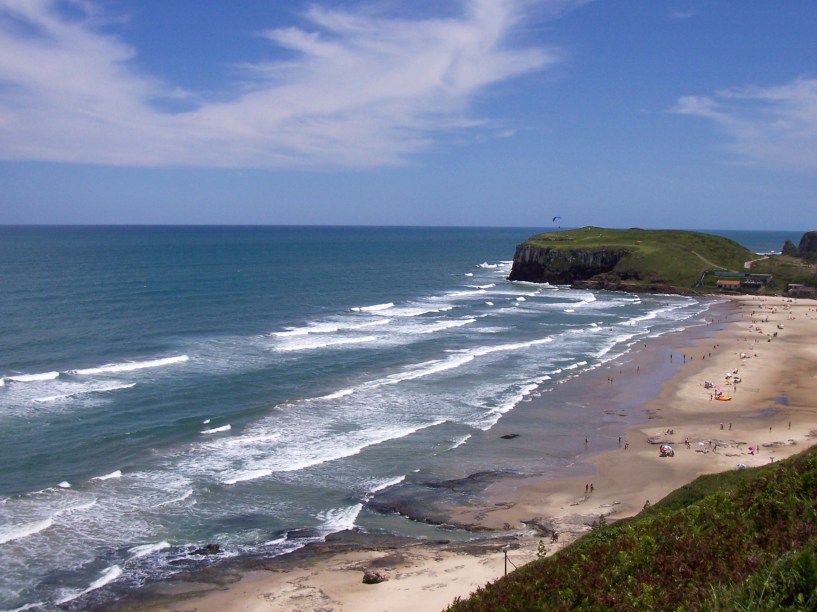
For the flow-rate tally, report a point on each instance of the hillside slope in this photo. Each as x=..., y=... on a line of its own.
x=630, y=259
x=735, y=541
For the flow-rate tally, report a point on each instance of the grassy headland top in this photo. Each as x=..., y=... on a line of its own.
x=639, y=259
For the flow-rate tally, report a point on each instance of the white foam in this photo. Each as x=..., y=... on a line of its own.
x=338, y=394
x=175, y=500
x=375, y=488
x=33, y=377
x=485, y=265
x=339, y=519
x=131, y=366
x=205, y=421
x=461, y=441
x=248, y=475
x=115, y=474
x=40, y=605
x=419, y=310
x=71, y=509
x=322, y=343
x=65, y=396
x=313, y=328
x=308, y=452
x=443, y=325
x=144, y=550
x=374, y=308
x=64, y=485
x=216, y=429
x=108, y=576
x=9, y=533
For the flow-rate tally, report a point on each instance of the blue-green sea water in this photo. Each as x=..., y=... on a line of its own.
x=166, y=387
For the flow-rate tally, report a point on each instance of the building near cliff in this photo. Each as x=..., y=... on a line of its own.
x=728, y=284
x=798, y=290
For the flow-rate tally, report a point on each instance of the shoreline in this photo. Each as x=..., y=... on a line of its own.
x=649, y=395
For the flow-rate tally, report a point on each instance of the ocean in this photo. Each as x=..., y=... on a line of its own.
x=163, y=388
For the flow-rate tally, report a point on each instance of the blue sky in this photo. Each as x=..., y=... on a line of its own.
x=622, y=113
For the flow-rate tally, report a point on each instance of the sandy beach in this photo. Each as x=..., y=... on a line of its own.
x=766, y=343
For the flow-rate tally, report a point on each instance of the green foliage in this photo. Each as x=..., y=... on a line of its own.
x=745, y=540
x=666, y=257
x=788, y=270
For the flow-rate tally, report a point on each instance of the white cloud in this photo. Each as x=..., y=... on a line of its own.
x=359, y=90
x=769, y=126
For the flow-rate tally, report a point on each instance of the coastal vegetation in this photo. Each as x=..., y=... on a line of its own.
x=655, y=260
x=741, y=540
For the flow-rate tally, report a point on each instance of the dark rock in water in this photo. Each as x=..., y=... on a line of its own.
x=372, y=577
x=298, y=534
x=433, y=501
x=509, y=436
x=210, y=549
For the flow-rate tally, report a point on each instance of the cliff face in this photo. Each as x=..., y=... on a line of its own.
x=562, y=266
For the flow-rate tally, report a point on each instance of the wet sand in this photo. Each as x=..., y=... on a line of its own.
x=654, y=395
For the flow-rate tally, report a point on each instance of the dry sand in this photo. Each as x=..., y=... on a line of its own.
x=774, y=407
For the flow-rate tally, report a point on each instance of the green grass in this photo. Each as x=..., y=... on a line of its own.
x=743, y=540
x=670, y=257
x=678, y=259
x=788, y=270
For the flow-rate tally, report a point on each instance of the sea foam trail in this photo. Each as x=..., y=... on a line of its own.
x=9, y=533
x=115, y=474
x=373, y=308
x=380, y=486
x=327, y=328
x=309, y=453
x=323, y=343
x=108, y=576
x=216, y=429
x=75, y=394
x=130, y=366
x=339, y=519
x=137, y=552
x=23, y=378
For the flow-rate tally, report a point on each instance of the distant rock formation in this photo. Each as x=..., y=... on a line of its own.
x=789, y=250
x=806, y=249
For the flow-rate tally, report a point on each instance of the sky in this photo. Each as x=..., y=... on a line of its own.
x=685, y=114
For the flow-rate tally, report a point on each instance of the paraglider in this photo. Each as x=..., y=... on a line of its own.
x=557, y=217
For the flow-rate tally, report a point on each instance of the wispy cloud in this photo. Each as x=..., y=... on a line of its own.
x=770, y=126
x=358, y=90
x=679, y=14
